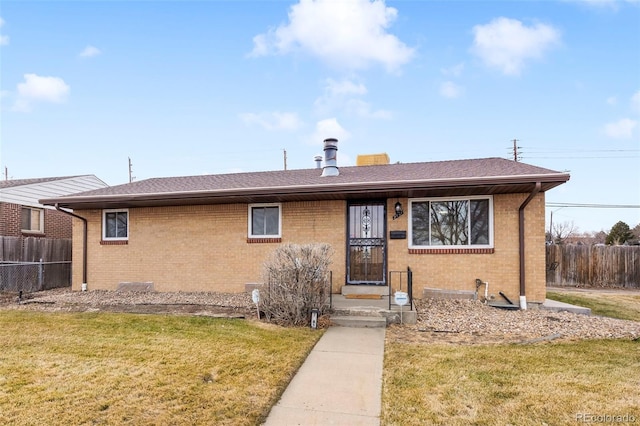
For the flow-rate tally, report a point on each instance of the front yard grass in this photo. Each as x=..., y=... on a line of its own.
x=615, y=305
x=104, y=368
x=553, y=383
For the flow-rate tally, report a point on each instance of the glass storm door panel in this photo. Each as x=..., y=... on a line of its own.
x=366, y=251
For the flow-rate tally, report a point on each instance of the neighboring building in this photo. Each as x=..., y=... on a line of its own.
x=450, y=221
x=23, y=215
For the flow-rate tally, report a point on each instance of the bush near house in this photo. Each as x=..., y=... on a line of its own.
x=297, y=278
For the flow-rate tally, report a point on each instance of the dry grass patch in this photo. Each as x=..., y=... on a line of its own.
x=615, y=305
x=108, y=368
x=510, y=384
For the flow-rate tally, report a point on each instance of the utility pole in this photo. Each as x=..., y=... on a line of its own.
x=6, y=173
x=516, y=157
x=131, y=178
x=284, y=152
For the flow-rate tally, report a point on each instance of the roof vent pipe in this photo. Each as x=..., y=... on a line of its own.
x=330, y=158
x=318, y=160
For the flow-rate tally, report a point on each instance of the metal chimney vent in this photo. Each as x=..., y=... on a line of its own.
x=318, y=160
x=330, y=158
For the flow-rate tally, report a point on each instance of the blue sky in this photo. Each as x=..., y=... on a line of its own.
x=197, y=87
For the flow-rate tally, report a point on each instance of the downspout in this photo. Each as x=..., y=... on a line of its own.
x=523, y=297
x=84, y=243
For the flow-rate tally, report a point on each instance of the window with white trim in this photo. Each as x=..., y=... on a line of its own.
x=451, y=222
x=115, y=224
x=265, y=220
x=32, y=220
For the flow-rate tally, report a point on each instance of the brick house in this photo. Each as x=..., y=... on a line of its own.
x=450, y=221
x=23, y=215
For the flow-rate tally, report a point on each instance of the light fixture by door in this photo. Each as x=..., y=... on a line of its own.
x=398, y=209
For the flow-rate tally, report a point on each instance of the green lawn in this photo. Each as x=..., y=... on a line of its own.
x=615, y=305
x=542, y=384
x=104, y=368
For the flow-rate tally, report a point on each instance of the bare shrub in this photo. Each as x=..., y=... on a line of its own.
x=297, y=278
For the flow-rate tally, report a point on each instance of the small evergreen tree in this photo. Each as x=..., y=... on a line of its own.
x=619, y=234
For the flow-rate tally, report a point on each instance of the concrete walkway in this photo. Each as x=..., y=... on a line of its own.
x=340, y=383
x=555, y=306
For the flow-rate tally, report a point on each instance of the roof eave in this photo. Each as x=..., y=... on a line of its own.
x=282, y=193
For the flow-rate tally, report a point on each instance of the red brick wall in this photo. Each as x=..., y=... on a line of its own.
x=56, y=224
x=10, y=223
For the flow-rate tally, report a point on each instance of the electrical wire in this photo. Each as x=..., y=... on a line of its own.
x=594, y=206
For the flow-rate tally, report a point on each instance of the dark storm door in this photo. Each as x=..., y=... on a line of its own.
x=366, y=245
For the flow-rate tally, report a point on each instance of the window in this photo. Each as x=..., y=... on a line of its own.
x=32, y=220
x=452, y=222
x=115, y=224
x=264, y=220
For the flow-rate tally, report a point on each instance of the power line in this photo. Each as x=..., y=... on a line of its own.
x=555, y=157
x=545, y=151
x=594, y=206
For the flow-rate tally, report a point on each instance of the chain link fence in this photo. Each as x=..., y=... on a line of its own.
x=34, y=276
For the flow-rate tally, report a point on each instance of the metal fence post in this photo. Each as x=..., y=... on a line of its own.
x=40, y=274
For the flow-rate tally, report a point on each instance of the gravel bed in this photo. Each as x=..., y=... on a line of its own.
x=473, y=320
x=102, y=298
x=454, y=321
x=236, y=305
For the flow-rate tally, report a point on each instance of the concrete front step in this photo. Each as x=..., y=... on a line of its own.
x=343, y=307
x=358, y=321
x=381, y=290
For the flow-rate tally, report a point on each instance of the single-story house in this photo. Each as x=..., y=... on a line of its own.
x=451, y=222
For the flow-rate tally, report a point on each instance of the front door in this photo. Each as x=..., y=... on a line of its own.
x=366, y=246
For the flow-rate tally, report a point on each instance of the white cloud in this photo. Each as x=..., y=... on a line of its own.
x=450, y=90
x=344, y=95
x=363, y=109
x=90, y=52
x=454, y=71
x=612, y=100
x=329, y=128
x=4, y=40
x=621, y=129
x=635, y=102
x=506, y=44
x=40, y=89
x=273, y=120
x=344, y=87
x=345, y=34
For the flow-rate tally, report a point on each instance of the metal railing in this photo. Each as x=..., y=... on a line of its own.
x=34, y=276
x=408, y=274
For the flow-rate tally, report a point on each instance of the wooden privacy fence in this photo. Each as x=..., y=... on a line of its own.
x=595, y=266
x=34, y=264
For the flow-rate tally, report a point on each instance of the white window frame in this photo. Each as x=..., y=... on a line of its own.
x=445, y=199
x=250, y=220
x=104, y=224
x=33, y=231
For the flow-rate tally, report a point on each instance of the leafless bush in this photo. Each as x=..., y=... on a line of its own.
x=297, y=278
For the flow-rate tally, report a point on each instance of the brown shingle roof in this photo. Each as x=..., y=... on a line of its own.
x=487, y=175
